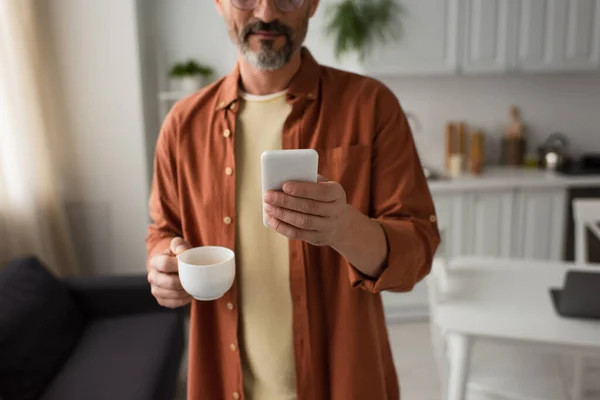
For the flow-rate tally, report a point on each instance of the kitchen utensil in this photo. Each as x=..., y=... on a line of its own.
x=553, y=153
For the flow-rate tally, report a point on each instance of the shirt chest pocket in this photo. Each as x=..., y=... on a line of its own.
x=350, y=166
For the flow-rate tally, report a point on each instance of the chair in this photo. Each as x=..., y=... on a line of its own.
x=586, y=215
x=500, y=371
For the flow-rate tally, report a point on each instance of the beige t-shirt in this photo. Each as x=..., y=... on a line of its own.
x=266, y=340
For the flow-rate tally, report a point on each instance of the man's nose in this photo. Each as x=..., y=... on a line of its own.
x=266, y=11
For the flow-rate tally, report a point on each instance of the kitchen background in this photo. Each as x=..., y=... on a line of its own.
x=463, y=61
x=455, y=60
x=476, y=84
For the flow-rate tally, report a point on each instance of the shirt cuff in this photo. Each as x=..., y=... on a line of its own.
x=404, y=262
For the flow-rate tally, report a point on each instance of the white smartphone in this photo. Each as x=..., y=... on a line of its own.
x=280, y=166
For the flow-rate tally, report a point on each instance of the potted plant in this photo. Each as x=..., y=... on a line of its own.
x=357, y=25
x=190, y=76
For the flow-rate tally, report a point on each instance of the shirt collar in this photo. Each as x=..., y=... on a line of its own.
x=304, y=84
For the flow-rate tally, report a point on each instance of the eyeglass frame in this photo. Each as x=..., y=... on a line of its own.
x=233, y=2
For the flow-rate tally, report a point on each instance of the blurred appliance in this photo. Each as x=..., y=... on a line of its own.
x=554, y=153
x=587, y=164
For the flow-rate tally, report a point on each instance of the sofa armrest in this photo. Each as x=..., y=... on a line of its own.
x=112, y=295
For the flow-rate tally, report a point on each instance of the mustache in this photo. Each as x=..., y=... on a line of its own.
x=272, y=27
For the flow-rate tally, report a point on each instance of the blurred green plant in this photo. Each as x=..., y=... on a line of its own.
x=358, y=25
x=191, y=68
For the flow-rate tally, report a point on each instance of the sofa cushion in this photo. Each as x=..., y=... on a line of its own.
x=127, y=357
x=39, y=326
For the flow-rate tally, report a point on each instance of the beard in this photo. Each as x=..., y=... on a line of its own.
x=269, y=58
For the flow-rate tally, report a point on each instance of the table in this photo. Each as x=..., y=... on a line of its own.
x=507, y=299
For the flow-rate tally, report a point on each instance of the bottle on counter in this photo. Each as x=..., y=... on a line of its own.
x=514, y=143
x=476, y=156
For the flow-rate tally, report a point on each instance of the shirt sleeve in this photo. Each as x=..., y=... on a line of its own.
x=401, y=204
x=164, y=204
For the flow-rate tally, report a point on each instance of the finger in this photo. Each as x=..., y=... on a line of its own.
x=297, y=219
x=292, y=232
x=179, y=245
x=166, y=264
x=168, y=303
x=321, y=179
x=167, y=294
x=165, y=281
x=306, y=206
x=325, y=191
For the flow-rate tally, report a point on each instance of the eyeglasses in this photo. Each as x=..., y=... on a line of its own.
x=282, y=5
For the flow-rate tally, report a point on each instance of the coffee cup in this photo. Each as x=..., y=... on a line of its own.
x=206, y=273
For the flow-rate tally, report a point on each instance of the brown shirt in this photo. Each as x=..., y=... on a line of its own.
x=356, y=124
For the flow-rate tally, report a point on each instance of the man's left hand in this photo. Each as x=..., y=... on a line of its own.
x=317, y=213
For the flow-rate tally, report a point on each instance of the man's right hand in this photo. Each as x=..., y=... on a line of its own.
x=164, y=276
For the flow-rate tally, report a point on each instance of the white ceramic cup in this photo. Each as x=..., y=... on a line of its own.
x=206, y=273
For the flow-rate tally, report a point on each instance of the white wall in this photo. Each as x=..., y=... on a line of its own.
x=95, y=48
x=549, y=103
x=176, y=31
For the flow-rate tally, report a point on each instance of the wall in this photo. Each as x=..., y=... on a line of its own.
x=96, y=61
x=176, y=31
x=549, y=103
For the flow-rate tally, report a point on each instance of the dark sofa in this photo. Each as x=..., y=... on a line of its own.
x=92, y=338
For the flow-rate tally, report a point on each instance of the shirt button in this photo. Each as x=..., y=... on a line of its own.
x=227, y=220
x=433, y=219
x=236, y=395
x=226, y=133
x=230, y=306
x=233, y=347
x=228, y=171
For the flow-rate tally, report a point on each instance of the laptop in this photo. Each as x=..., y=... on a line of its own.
x=580, y=296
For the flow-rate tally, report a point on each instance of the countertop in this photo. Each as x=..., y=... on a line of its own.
x=499, y=177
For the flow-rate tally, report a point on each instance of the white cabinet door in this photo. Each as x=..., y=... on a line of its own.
x=558, y=35
x=427, y=43
x=540, y=223
x=450, y=213
x=490, y=36
x=582, y=35
x=489, y=223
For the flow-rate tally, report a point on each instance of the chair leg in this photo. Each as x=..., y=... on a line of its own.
x=577, y=390
x=460, y=359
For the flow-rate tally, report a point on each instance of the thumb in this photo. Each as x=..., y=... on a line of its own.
x=321, y=179
x=179, y=245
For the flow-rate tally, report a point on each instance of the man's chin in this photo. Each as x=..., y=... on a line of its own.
x=265, y=60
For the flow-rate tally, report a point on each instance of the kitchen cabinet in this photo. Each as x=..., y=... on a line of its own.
x=476, y=223
x=558, y=35
x=540, y=223
x=489, y=44
x=488, y=224
x=489, y=37
x=428, y=43
x=503, y=222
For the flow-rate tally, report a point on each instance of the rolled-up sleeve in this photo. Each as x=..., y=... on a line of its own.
x=164, y=203
x=400, y=202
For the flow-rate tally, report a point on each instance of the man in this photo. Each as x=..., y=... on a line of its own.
x=304, y=319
